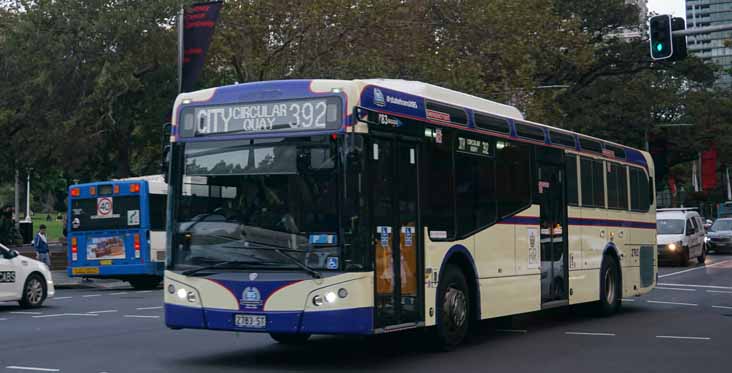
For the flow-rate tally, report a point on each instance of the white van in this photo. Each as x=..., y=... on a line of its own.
x=680, y=235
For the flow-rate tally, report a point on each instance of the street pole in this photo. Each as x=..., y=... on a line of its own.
x=729, y=188
x=16, y=210
x=27, y=197
x=702, y=30
x=181, y=56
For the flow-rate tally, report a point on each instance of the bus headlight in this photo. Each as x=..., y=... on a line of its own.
x=330, y=297
x=182, y=293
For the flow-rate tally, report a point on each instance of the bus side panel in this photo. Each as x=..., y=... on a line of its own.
x=157, y=246
x=504, y=296
x=585, y=285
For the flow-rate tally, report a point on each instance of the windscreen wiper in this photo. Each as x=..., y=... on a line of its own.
x=282, y=252
x=241, y=263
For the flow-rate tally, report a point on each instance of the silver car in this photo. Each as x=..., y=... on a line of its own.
x=719, y=237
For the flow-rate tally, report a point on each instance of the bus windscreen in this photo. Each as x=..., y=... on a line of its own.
x=105, y=213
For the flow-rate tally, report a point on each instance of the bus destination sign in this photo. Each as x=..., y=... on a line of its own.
x=290, y=115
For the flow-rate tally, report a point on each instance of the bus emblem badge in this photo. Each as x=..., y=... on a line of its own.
x=379, y=98
x=250, y=298
x=253, y=276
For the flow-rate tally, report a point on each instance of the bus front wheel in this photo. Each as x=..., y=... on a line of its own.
x=290, y=339
x=145, y=283
x=453, y=309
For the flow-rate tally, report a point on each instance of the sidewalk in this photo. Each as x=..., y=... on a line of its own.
x=62, y=281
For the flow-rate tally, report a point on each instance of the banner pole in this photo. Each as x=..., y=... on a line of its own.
x=180, y=25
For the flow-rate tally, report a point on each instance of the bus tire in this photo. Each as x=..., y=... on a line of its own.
x=453, y=309
x=145, y=283
x=290, y=339
x=34, y=291
x=610, y=287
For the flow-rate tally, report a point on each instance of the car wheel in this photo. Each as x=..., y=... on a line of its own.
x=453, y=309
x=610, y=287
x=703, y=257
x=147, y=283
x=290, y=339
x=34, y=291
x=684, y=258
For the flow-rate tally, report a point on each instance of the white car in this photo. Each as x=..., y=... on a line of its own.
x=23, y=279
x=680, y=235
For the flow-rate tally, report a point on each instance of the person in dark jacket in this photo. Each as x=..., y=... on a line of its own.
x=40, y=243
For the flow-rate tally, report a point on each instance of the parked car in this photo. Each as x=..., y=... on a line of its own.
x=23, y=279
x=719, y=237
x=680, y=235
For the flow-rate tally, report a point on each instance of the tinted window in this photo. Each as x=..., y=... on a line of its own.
x=593, y=186
x=438, y=186
x=563, y=139
x=618, y=152
x=86, y=211
x=640, y=190
x=474, y=192
x=457, y=115
x=529, y=132
x=572, y=190
x=490, y=123
x=617, y=188
x=513, y=177
x=590, y=145
x=158, y=203
x=598, y=184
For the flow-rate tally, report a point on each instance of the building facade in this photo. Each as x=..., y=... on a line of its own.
x=715, y=47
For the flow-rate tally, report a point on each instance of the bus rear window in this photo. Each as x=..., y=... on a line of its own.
x=105, y=213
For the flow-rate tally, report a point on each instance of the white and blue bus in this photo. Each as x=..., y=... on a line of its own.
x=373, y=206
x=116, y=229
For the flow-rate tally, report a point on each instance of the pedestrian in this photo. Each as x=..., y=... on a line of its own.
x=40, y=243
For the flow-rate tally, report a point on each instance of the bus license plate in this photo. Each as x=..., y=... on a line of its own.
x=85, y=271
x=106, y=262
x=251, y=321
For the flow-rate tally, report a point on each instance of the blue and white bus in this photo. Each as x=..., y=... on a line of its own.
x=116, y=229
x=373, y=206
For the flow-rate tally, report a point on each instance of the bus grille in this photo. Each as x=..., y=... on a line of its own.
x=646, y=266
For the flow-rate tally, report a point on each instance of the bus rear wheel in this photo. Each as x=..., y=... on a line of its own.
x=290, y=339
x=610, y=287
x=453, y=309
x=145, y=283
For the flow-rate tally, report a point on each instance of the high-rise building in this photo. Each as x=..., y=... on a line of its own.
x=715, y=47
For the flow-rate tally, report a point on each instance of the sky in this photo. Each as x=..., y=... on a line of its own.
x=677, y=8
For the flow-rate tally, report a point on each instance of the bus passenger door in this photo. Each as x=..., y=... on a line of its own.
x=553, y=218
x=393, y=177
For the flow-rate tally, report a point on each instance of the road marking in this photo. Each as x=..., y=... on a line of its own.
x=64, y=314
x=143, y=316
x=60, y=298
x=679, y=289
x=628, y=300
x=120, y=293
x=33, y=368
x=149, y=308
x=698, y=286
x=676, y=303
x=3, y=319
x=693, y=269
x=26, y=313
x=719, y=291
x=723, y=307
x=105, y=311
x=682, y=337
x=520, y=331
x=91, y=295
x=596, y=334
x=145, y=291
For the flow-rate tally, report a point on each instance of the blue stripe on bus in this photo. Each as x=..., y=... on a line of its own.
x=521, y=220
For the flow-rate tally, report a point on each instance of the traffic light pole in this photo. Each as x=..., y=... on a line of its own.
x=703, y=30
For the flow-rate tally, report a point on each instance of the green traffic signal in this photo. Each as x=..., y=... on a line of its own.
x=659, y=47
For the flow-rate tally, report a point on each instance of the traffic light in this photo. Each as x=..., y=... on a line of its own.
x=662, y=46
x=680, y=52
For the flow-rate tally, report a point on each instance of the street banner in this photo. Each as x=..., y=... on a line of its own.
x=709, y=168
x=198, y=27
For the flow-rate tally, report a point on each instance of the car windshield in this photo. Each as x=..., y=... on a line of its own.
x=721, y=225
x=263, y=201
x=670, y=226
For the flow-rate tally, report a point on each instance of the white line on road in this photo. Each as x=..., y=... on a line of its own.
x=32, y=368
x=628, y=300
x=698, y=286
x=3, y=319
x=26, y=313
x=143, y=316
x=723, y=307
x=520, y=331
x=64, y=314
x=596, y=334
x=91, y=295
x=105, y=311
x=145, y=291
x=676, y=303
x=120, y=293
x=60, y=298
x=149, y=308
x=679, y=289
x=693, y=269
x=719, y=291
x=682, y=337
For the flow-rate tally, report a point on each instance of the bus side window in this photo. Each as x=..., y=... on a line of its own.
x=513, y=171
x=572, y=190
x=157, y=211
x=438, y=188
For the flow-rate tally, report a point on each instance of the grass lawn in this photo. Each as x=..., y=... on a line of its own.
x=54, y=228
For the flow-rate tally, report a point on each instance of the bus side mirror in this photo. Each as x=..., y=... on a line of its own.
x=165, y=162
